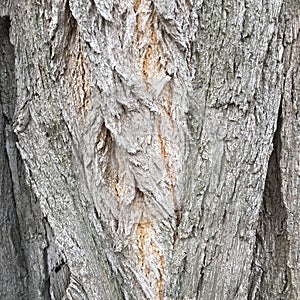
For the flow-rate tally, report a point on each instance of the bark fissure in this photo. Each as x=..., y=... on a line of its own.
x=144, y=130
x=59, y=273
x=274, y=270
x=19, y=202
x=12, y=257
x=270, y=271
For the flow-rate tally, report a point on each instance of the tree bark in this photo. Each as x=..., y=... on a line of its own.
x=149, y=149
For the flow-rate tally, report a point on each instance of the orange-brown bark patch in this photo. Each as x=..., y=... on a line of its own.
x=161, y=271
x=136, y=5
x=143, y=231
x=147, y=31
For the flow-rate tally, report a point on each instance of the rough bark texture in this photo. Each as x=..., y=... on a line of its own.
x=149, y=149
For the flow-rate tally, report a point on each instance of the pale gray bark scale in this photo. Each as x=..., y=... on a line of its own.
x=149, y=149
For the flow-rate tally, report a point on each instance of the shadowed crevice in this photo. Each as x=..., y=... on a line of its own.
x=12, y=262
x=22, y=237
x=270, y=275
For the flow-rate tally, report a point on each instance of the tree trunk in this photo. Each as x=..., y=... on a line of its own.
x=149, y=150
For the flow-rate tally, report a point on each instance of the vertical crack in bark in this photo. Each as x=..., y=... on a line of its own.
x=56, y=266
x=12, y=262
x=22, y=234
x=270, y=274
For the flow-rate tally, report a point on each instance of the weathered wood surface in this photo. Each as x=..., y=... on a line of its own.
x=149, y=149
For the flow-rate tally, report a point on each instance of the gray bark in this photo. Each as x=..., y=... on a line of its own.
x=149, y=149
